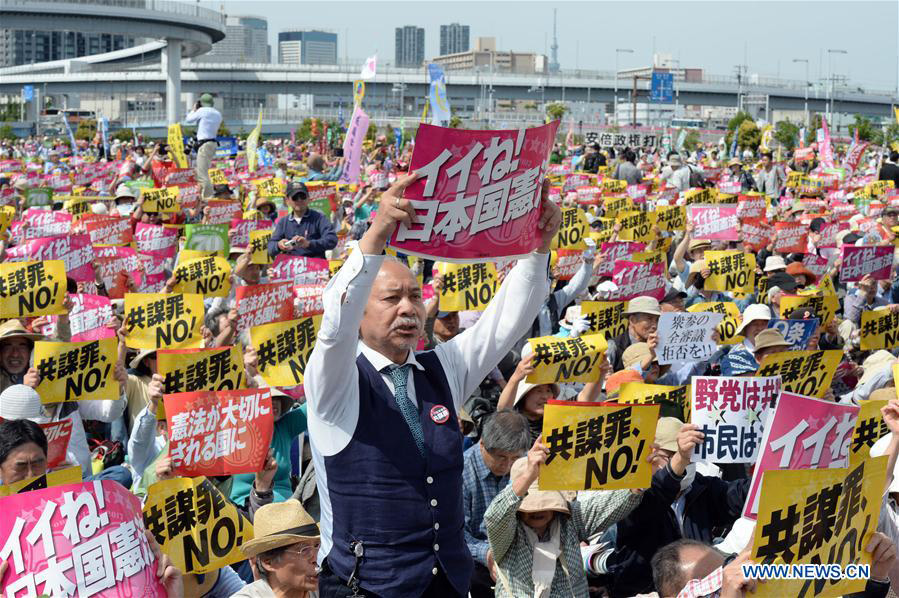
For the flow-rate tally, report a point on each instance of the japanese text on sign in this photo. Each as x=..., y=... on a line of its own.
x=76, y=371
x=573, y=359
x=284, y=348
x=686, y=336
x=159, y=320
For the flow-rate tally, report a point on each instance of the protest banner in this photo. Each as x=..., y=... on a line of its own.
x=636, y=279
x=88, y=536
x=352, y=145
x=869, y=428
x=75, y=251
x=263, y=303
x=731, y=412
x=802, y=433
x=613, y=207
x=727, y=328
x=671, y=218
x=822, y=517
x=796, y=332
x=239, y=232
x=270, y=187
x=163, y=320
x=213, y=433
x=283, y=349
x=674, y=401
x=108, y=230
x=790, y=237
x=37, y=223
x=650, y=257
x=686, y=336
x=186, y=255
x=299, y=270
x=208, y=237
x=58, y=434
x=176, y=145
x=752, y=205
x=309, y=298
x=597, y=446
x=866, y=260
x=156, y=240
x=730, y=271
x=207, y=276
x=334, y=267
x=259, y=246
x=222, y=211
x=807, y=373
x=700, y=196
x=613, y=186
x=163, y=200
x=572, y=359
x=467, y=286
x=480, y=200
x=217, y=176
x=815, y=264
x=77, y=371
x=32, y=288
x=51, y=479
x=565, y=263
x=605, y=317
x=189, y=370
x=824, y=305
x=116, y=266
x=713, y=222
x=322, y=197
x=195, y=525
x=40, y=196
x=879, y=329
x=756, y=233
x=637, y=226
x=572, y=231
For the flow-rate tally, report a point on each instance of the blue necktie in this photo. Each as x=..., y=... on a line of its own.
x=400, y=376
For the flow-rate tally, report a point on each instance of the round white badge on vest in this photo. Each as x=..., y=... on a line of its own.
x=440, y=414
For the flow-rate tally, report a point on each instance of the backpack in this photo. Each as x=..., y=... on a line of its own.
x=697, y=180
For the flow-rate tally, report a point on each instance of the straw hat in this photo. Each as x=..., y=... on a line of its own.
x=667, y=430
x=635, y=354
x=643, y=305
x=525, y=387
x=874, y=363
x=14, y=329
x=140, y=356
x=535, y=500
x=775, y=262
x=699, y=244
x=769, y=337
x=21, y=402
x=734, y=162
x=696, y=269
x=756, y=311
x=280, y=524
x=884, y=394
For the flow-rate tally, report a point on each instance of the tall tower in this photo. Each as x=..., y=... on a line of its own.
x=554, y=49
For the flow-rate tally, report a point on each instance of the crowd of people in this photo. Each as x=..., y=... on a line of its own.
x=407, y=462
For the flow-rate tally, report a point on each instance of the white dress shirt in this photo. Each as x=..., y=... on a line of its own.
x=209, y=120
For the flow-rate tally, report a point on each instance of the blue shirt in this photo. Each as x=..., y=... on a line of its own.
x=479, y=487
x=313, y=226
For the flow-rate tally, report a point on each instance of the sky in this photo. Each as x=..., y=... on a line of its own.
x=713, y=35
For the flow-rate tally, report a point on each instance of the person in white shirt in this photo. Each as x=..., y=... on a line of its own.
x=207, y=120
x=382, y=417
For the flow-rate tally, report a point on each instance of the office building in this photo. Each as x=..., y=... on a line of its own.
x=410, y=46
x=246, y=41
x=307, y=47
x=486, y=57
x=19, y=47
x=453, y=39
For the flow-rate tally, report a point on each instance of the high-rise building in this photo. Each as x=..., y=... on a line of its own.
x=246, y=40
x=486, y=56
x=410, y=46
x=307, y=47
x=453, y=39
x=19, y=47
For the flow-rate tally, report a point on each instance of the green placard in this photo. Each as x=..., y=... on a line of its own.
x=208, y=237
x=40, y=196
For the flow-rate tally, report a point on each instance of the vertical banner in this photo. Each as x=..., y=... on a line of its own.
x=176, y=145
x=440, y=109
x=253, y=143
x=352, y=145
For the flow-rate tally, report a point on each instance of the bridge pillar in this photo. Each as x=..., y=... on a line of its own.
x=171, y=68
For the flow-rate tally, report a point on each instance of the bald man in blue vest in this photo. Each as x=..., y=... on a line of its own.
x=382, y=418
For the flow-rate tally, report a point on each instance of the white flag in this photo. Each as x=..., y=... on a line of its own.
x=369, y=68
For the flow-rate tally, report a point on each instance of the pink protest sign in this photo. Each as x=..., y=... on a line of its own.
x=717, y=223
x=802, y=433
x=614, y=251
x=156, y=240
x=299, y=270
x=89, y=316
x=75, y=250
x=859, y=262
x=113, y=263
x=239, y=234
x=829, y=235
x=817, y=265
x=479, y=193
x=638, y=279
x=352, y=145
x=37, y=223
x=87, y=536
x=155, y=274
x=58, y=434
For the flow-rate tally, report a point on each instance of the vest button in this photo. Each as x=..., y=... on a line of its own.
x=436, y=547
x=429, y=480
x=434, y=571
x=433, y=502
x=436, y=526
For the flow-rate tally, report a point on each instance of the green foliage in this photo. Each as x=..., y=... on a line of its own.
x=455, y=122
x=866, y=129
x=691, y=141
x=786, y=133
x=87, y=128
x=888, y=137
x=556, y=110
x=123, y=135
x=6, y=133
x=748, y=133
x=372, y=132
x=737, y=120
x=811, y=134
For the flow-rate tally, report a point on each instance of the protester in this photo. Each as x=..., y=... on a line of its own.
x=303, y=232
x=207, y=120
x=23, y=451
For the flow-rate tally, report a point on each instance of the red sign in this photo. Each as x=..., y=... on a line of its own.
x=108, y=230
x=638, y=279
x=58, y=434
x=309, y=299
x=264, y=303
x=790, y=237
x=223, y=211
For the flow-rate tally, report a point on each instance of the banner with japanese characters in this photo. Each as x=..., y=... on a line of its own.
x=796, y=332
x=207, y=276
x=565, y=263
x=32, y=288
x=572, y=230
x=686, y=336
x=605, y=317
x=730, y=271
x=163, y=200
x=636, y=279
x=802, y=433
x=259, y=246
x=825, y=516
x=637, y=225
x=879, y=329
x=163, y=320
x=75, y=251
x=478, y=195
x=309, y=298
x=195, y=525
x=263, y=304
x=51, y=479
x=208, y=237
x=752, y=205
x=214, y=433
x=352, y=145
x=700, y=196
x=222, y=211
x=299, y=270
x=156, y=240
x=731, y=412
x=108, y=230
x=572, y=359
x=671, y=218
x=189, y=370
x=176, y=145
x=239, y=233
x=713, y=222
x=727, y=328
x=869, y=260
x=597, y=446
x=87, y=536
x=270, y=187
x=58, y=434
x=673, y=400
x=807, y=373
x=790, y=237
x=612, y=252
x=283, y=349
x=869, y=428
x=822, y=304
x=40, y=196
x=756, y=233
x=467, y=286
x=76, y=371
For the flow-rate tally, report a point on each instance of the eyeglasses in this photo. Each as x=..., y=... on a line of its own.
x=307, y=552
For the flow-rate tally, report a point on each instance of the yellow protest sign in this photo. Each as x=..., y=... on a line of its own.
x=270, y=187
x=79, y=371
x=7, y=215
x=614, y=206
x=284, y=348
x=727, y=329
x=197, y=527
x=207, y=276
x=572, y=231
x=572, y=359
x=60, y=477
x=650, y=257
x=163, y=320
x=595, y=446
x=176, y=145
x=709, y=195
x=605, y=317
x=869, y=427
x=879, y=329
x=77, y=207
x=259, y=246
x=637, y=226
x=817, y=516
x=613, y=186
x=162, y=199
x=217, y=177
x=671, y=218
x=32, y=288
x=335, y=265
x=806, y=373
x=730, y=271
x=878, y=188
x=185, y=255
x=674, y=400
x=189, y=370
x=467, y=286
x=825, y=306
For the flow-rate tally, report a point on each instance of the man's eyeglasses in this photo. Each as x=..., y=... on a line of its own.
x=307, y=552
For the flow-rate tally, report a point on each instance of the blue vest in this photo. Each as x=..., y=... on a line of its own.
x=405, y=509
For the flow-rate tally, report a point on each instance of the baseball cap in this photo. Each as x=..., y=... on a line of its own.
x=295, y=188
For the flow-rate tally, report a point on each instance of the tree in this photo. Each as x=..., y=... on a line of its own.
x=786, y=133
x=6, y=133
x=455, y=122
x=691, y=141
x=812, y=134
x=556, y=110
x=123, y=135
x=888, y=137
x=372, y=132
x=734, y=124
x=865, y=127
x=748, y=133
x=87, y=128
